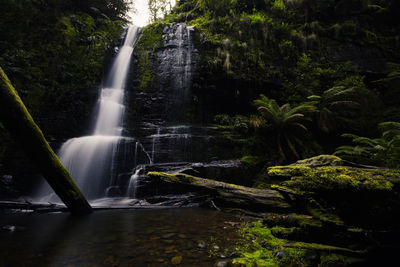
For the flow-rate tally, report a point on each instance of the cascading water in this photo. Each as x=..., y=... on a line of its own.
x=183, y=69
x=90, y=159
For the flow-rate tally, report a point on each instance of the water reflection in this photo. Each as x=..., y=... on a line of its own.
x=117, y=238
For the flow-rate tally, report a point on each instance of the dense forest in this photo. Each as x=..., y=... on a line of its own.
x=322, y=74
x=294, y=78
x=310, y=83
x=55, y=57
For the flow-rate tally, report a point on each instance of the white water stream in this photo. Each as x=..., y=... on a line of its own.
x=89, y=159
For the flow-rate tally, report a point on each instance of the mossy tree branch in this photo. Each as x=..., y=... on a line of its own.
x=17, y=120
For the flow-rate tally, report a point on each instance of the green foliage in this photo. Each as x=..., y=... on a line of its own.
x=383, y=151
x=333, y=102
x=159, y=9
x=259, y=17
x=216, y=8
x=115, y=9
x=310, y=79
x=53, y=55
x=278, y=4
x=285, y=122
x=146, y=47
x=239, y=123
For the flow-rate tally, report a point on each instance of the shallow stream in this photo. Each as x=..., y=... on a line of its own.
x=155, y=237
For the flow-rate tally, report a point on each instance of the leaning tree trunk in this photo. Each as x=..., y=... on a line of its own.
x=17, y=120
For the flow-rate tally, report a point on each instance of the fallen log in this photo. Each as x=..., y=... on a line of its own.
x=17, y=120
x=224, y=194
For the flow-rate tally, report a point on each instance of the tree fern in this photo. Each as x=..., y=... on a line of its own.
x=330, y=103
x=285, y=122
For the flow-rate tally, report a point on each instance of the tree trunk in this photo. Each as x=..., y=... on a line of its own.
x=224, y=194
x=17, y=120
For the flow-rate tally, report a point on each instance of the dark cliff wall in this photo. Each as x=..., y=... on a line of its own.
x=286, y=50
x=160, y=91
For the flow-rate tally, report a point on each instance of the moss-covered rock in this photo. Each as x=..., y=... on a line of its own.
x=329, y=189
x=146, y=48
x=337, y=179
x=327, y=173
x=319, y=161
x=261, y=247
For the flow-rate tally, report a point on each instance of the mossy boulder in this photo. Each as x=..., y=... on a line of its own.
x=321, y=179
x=352, y=193
x=303, y=166
x=319, y=161
x=327, y=173
x=261, y=247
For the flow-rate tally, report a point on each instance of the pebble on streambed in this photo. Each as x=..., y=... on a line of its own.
x=176, y=260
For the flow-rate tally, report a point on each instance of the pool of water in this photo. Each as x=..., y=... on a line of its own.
x=163, y=237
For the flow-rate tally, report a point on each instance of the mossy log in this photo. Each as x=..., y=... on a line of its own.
x=226, y=195
x=17, y=120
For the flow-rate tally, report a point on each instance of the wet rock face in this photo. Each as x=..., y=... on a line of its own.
x=167, y=98
x=160, y=106
x=178, y=58
x=175, y=71
x=159, y=115
x=7, y=185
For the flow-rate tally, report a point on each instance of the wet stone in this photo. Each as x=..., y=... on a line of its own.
x=201, y=245
x=281, y=254
x=167, y=236
x=176, y=260
x=8, y=228
x=312, y=256
x=222, y=264
x=189, y=245
x=170, y=248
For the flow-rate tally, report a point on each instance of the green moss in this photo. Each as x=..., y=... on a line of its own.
x=260, y=247
x=321, y=160
x=322, y=247
x=320, y=214
x=148, y=75
x=250, y=160
x=283, y=231
x=147, y=45
x=287, y=171
x=151, y=38
x=174, y=177
x=332, y=178
x=332, y=260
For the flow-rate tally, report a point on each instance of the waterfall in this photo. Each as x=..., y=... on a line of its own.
x=132, y=186
x=111, y=108
x=183, y=68
x=90, y=159
x=188, y=65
